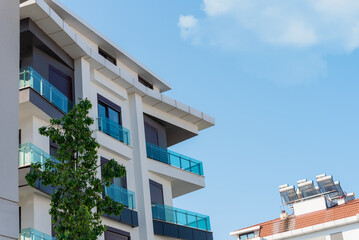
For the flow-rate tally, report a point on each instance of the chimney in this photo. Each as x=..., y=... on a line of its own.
x=283, y=215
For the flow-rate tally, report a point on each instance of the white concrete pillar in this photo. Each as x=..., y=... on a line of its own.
x=138, y=143
x=83, y=87
x=9, y=121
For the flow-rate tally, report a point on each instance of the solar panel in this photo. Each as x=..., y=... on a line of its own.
x=307, y=189
x=326, y=184
x=288, y=193
x=339, y=188
x=350, y=196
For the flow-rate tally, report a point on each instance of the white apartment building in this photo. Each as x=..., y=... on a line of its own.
x=322, y=212
x=62, y=59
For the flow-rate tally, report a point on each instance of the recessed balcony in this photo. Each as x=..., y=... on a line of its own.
x=29, y=78
x=114, y=130
x=174, y=159
x=30, y=154
x=32, y=234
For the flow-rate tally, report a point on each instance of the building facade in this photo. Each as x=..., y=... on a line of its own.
x=9, y=94
x=322, y=212
x=63, y=59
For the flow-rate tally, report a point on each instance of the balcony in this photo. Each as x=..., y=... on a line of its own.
x=30, y=78
x=174, y=159
x=126, y=197
x=121, y=195
x=32, y=234
x=114, y=130
x=30, y=154
x=180, y=217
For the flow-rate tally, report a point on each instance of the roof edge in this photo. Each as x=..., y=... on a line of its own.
x=84, y=27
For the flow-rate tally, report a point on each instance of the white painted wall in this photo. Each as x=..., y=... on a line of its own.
x=9, y=123
x=167, y=188
x=310, y=205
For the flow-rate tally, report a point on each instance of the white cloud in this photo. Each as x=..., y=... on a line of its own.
x=298, y=34
x=214, y=7
x=287, y=40
x=188, y=25
x=297, y=23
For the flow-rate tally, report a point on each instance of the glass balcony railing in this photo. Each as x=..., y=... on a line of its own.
x=180, y=217
x=113, y=129
x=30, y=78
x=174, y=159
x=32, y=234
x=121, y=195
x=29, y=153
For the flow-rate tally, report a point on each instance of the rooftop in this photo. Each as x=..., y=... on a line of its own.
x=292, y=222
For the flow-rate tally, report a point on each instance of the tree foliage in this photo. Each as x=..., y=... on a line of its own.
x=77, y=202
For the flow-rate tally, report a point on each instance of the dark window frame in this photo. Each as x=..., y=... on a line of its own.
x=104, y=161
x=19, y=219
x=117, y=231
x=107, y=56
x=53, y=146
x=247, y=235
x=151, y=134
x=145, y=82
x=156, y=184
x=108, y=104
x=64, y=75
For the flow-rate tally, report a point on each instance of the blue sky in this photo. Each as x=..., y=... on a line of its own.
x=280, y=78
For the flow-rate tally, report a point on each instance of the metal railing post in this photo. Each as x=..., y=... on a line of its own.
x=176, y=217
x=51, y=95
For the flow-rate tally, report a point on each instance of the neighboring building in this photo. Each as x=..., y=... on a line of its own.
x=63, y=59
x=9, y=107
x=324, y=212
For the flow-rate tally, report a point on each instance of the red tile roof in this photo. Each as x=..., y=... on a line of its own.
x=293, y=222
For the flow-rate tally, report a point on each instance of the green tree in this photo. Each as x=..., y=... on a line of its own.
x=77, y=202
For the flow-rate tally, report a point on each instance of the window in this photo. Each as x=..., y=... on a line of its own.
x=151, y=134
x=110, y=122
x=116, y=234
x=145, y=83
x=107, y=56
x=336, y=236
x=61, y=81
x=122, y=181
x=246, y=236
x=109, y=110
x=53, y=149
x=156, y=191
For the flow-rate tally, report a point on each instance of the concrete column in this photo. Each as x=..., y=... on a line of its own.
x=83, y=87
x=9, y=121
x=138, y=143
